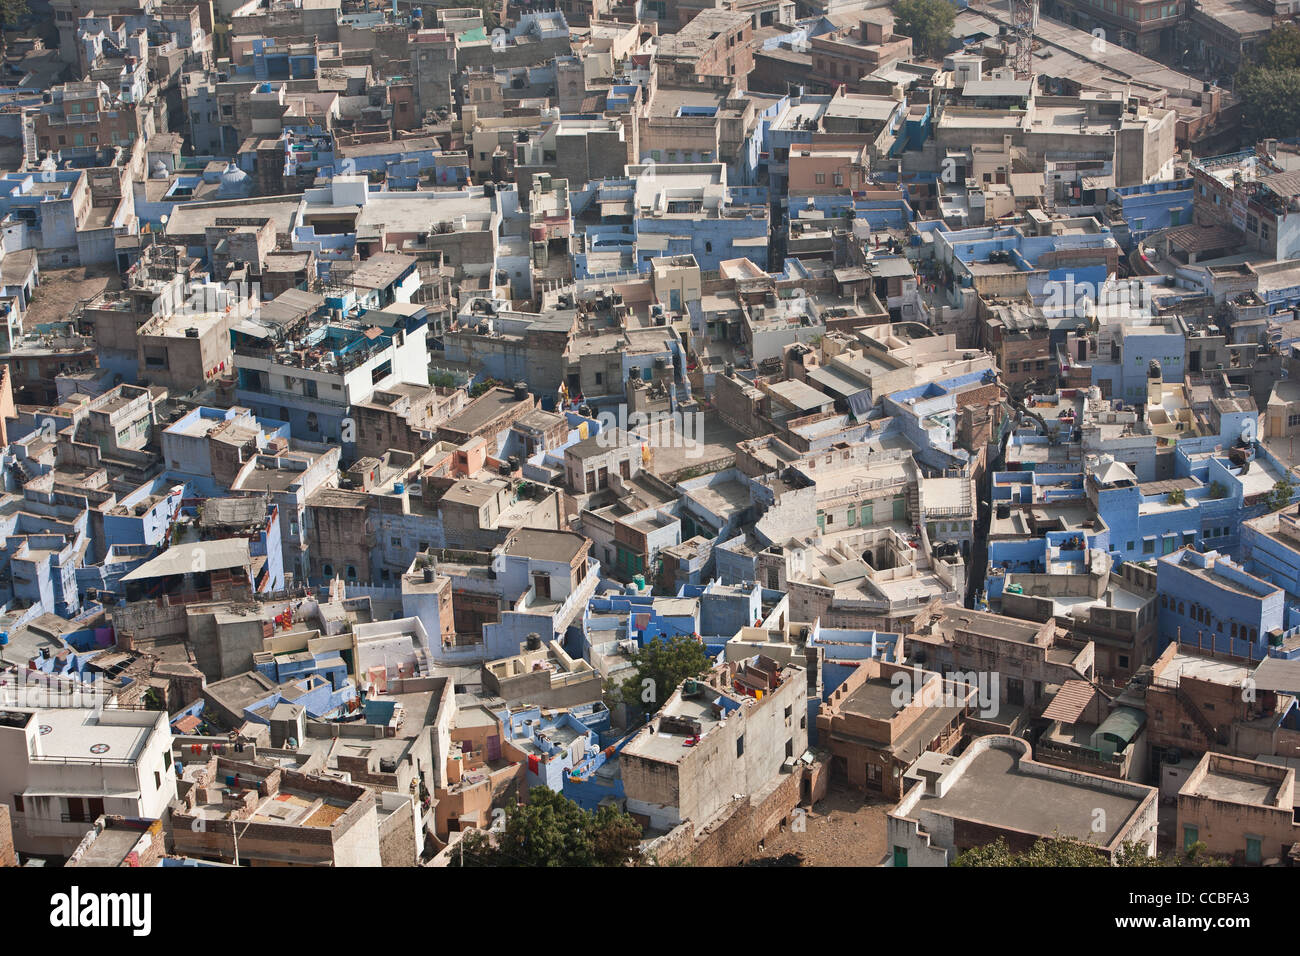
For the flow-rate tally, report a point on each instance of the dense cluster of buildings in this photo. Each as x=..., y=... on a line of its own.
x=378, y=381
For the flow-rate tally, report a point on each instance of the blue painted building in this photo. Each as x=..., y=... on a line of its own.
x=1208, y=601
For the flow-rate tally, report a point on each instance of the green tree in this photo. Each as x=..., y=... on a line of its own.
x=928, y=23
x=660, y=666
x=11, y=11
x=552, y=830
x=1281, y=51
x=1065, y=851
x=1270, y=101
x=1281, y=495
x=1044, y=852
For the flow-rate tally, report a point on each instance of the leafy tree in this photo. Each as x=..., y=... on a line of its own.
x=928, y=23
x=1218, y=490
x=11, y=11
x=1065, y=851
x=1044, y=852
x=1281, y=495
x=1270, y=101
x=1281, y=51
x=1176, y=497
x=551, y=830
x=663, y=664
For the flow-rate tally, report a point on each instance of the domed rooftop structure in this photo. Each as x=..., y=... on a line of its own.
x=234, y=183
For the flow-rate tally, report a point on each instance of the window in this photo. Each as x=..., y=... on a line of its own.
x=1013, y=367
x=1130, y=546
x=820, y=179
x=803, y=722
x=1123, y=661
x=740, y=746
x=18, y=803
x=1149, y=546
x=788, y=712
x=157, y=780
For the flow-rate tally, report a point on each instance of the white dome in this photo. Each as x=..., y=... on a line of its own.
x=234, y=181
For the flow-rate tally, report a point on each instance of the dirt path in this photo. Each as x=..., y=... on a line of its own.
x=844, y=829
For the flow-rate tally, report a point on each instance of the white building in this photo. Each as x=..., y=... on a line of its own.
x=62, y=767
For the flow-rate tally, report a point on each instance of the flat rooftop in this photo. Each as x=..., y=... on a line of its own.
x=87, y=734
x=483, y=410
x=1236, y=788
x=994, y=791
x=874, y=699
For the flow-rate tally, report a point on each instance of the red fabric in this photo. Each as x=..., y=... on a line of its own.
x=533, y=764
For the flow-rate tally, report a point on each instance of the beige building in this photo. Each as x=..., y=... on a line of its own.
x=1240, y=808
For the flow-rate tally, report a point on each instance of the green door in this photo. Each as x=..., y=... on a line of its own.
x=900, y=509
x=1252, y=850
x=1190, y=836
x=867, y=515
x=900, y=856
x=821, y=521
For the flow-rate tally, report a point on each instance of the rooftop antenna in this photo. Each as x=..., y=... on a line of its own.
x=1024, y=18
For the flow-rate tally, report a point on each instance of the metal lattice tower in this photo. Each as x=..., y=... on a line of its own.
x=1024, y=17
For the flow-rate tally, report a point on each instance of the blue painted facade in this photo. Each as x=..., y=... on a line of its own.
x=1208, y=601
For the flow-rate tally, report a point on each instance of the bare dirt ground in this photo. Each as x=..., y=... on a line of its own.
x=60, y=290
x=847, y=828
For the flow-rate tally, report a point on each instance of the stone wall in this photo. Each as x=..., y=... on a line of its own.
x=735, y=834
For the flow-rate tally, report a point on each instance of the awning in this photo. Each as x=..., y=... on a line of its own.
x=1070, y=702
x=1123, y=724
